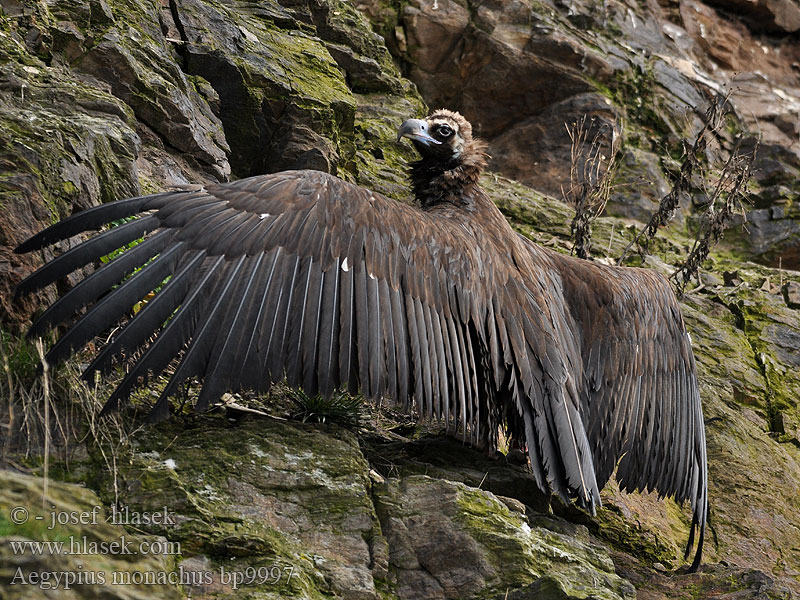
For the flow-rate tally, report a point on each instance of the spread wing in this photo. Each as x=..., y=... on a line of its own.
x=298, y=275
x=640, y=398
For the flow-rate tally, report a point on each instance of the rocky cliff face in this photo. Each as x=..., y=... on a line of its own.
x=112, y=98
x=521, y=70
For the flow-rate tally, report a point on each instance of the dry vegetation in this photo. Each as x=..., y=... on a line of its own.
x=722, y=193
x=54, y=413
x=726, y=198
x=593, y=164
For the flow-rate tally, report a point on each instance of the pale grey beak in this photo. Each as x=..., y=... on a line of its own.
x=416, y=129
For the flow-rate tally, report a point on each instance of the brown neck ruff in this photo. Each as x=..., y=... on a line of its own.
x=454, y=182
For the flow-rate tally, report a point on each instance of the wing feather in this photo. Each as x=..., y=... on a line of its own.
x=220, y=334
x=347, y=333
x=387, y=332
x=295, y=321
x=328, y=333
x=114, y=305
x=151, y=317
x=84, y=253
x=247, y=358
x=99, y=282
x=88, y=220
x=375, y=355
x=401, y=350
x=640, y=388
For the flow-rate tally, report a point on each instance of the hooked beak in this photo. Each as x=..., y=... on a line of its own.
x=416, y=129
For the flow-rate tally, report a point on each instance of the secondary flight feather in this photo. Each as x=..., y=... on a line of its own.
x=301, y=276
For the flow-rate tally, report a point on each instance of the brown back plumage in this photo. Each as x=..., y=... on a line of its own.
x=300, y=275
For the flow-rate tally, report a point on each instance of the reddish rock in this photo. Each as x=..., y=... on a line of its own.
x=518, y=79
x=772, y=16
x=536, y=151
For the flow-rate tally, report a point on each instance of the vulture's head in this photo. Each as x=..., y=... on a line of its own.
x=451, y=159
x=444, y=137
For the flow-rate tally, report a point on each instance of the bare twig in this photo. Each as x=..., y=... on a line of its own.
x=46, y=386
x=110, y=435
x=727, y=198
x=713, y=119
x=590, y=176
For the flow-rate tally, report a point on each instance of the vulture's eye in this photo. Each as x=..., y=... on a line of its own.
x=444, y=131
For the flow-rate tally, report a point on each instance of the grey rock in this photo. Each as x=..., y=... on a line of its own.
x=277, y=100
x=791, y=294
x=364, y=73
x=443, y=544
x=135, y=61
x=65, y=146
x=447, y=458
x=771, y=237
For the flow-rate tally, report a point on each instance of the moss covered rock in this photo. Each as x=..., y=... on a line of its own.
x=448, y=540
x=65, y=544
x=285, y=506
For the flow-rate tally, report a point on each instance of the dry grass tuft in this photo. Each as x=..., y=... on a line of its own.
x=52, y=413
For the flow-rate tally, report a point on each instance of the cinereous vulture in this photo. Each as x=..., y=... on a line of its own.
x=301, y=276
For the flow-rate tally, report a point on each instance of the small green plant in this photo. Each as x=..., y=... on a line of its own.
x=114, y=253
x=19, y=357
x=340, y=408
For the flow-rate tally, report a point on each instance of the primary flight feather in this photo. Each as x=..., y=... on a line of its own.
x=443, y=307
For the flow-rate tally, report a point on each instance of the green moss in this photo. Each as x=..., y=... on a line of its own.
x=37, y=527
x=222, y=479
x=635, y=91
x=528, y=211
x=86, y=523
x=490, y=523
x=68, y=188
x=611, y=526
x=50, y=146
x=385, y=17
x=310, y=70
x=381, y=162
x=780, y=386
x=522, y=554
